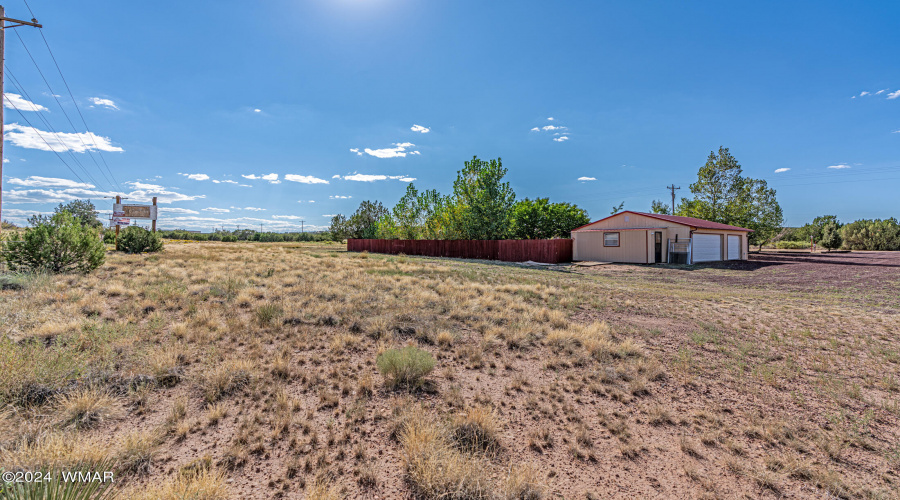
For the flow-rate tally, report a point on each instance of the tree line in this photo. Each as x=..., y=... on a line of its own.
x=481, y=207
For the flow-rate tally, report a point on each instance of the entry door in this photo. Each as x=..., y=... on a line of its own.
x=658, y=246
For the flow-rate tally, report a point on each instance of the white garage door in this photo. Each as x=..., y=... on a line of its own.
x=734, y=247
x=707, y=247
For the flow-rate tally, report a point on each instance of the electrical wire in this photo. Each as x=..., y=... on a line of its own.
x=78, y=108
x=52, y=93
x=21, y=90
x=38, y=132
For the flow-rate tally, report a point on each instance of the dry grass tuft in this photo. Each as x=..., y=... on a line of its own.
x=89, y=407
x=225, y=378
x=476, y=429
x=523, y=482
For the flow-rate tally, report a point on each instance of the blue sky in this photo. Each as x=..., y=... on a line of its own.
x=200, y=103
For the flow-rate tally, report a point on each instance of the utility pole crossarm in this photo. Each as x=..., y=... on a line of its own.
x=19, y=22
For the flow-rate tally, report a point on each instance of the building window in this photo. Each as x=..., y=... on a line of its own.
x=610, y=239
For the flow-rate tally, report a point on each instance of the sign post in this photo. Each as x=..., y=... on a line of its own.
x=122, y=214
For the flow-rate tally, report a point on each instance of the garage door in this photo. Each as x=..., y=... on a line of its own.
x=707, y=247
x=734, y=247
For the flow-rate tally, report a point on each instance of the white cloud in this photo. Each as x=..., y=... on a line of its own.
x=561, y=138
x=339, y=197
x=584, y=179
x=881, y=92
x=841, y=166
x=328, y=215
x=406, y=179
x=107, y=103
x=399, y=151
x=863, y=93
x=254, y=209
x=196, y=177
x=420, y=129
x=896, y=132
x=894, y=95
x=535, y=129
x=288, y=217
x=31, y=138
x=312, y=201
x=53, y=190
x=225, y=181
x=173, y=210
x=6, y=160
x=272, y=178
x=335, y=176
x=780, y=170
x=551, y=127
x=15, y=101
x=305, y=179
x=257, y=110
x=355, y=150
x=216, y=210
x=365, y=177
x=35, y=181
x=551, y=118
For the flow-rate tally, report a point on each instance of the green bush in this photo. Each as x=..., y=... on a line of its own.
x=56, y=244
x=405, y=367
x=875, y=234
x=136, y=239
x=792, y=245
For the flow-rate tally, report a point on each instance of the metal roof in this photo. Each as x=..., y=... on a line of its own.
x=677, y=219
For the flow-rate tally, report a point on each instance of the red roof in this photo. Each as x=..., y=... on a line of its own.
x=677, y=219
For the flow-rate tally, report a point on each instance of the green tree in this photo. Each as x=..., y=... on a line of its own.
x=866, y=234
x=407, y=215
x=56, y=244
x=718, y=185
x=722, y=195
x=83, y=210
x=831, y=235
x=816, y=229
x=540, y=219
x=481, y=203
x=339, y=228
x=617, y=209
x=658, y=207
x=756, y=208
x=362, y=224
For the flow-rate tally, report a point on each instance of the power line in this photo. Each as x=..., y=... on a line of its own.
x=38, y=132
x=52, y=93
x=59, y=139
x=78, y=108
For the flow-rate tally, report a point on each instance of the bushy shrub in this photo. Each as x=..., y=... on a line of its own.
x=405, y=367
x=56, y=244
x=136, y=239
x=875, y=234
x=791, y=245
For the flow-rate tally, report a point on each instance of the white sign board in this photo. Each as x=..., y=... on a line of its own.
x=121, y=221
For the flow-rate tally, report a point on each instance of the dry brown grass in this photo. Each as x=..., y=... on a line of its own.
x=263, y=356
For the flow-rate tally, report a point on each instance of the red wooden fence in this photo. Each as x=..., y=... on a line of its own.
x=549, y=251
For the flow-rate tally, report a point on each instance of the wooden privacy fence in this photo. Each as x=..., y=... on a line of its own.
x=549, y=251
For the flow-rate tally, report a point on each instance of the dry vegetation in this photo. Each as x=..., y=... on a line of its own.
x=249, y=371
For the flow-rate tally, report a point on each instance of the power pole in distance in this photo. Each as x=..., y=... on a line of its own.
x=673, y=188
x=301, y=227
x=14, y=23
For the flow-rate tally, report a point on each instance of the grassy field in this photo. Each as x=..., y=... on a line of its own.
x=249, y=371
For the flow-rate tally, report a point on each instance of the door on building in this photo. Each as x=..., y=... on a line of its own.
x=657, y=242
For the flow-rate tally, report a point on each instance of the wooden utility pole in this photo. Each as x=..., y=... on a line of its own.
x=3, y=26
x=154, y=220
x=301, y=227
x=673, y=188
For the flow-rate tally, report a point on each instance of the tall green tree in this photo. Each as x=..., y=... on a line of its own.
x=407, y=214
x=617, y=209
x=364, y=223
x=722, y=194
x=831, y=235
x=83, y=210
x=816, y=229
x=481, y=203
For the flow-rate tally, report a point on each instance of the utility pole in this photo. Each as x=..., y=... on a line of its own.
x=673, y=188
x=14, y=24
x=301, y=227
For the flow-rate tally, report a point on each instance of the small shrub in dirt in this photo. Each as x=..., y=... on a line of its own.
x=56, y=244
x=224, y=379
x=405, y=367
x=523, y=483
x=136, y=239
x=268, y=312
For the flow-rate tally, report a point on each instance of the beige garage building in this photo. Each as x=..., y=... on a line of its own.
x=642, y=238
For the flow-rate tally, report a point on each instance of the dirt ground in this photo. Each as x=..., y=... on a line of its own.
x=772, y=378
